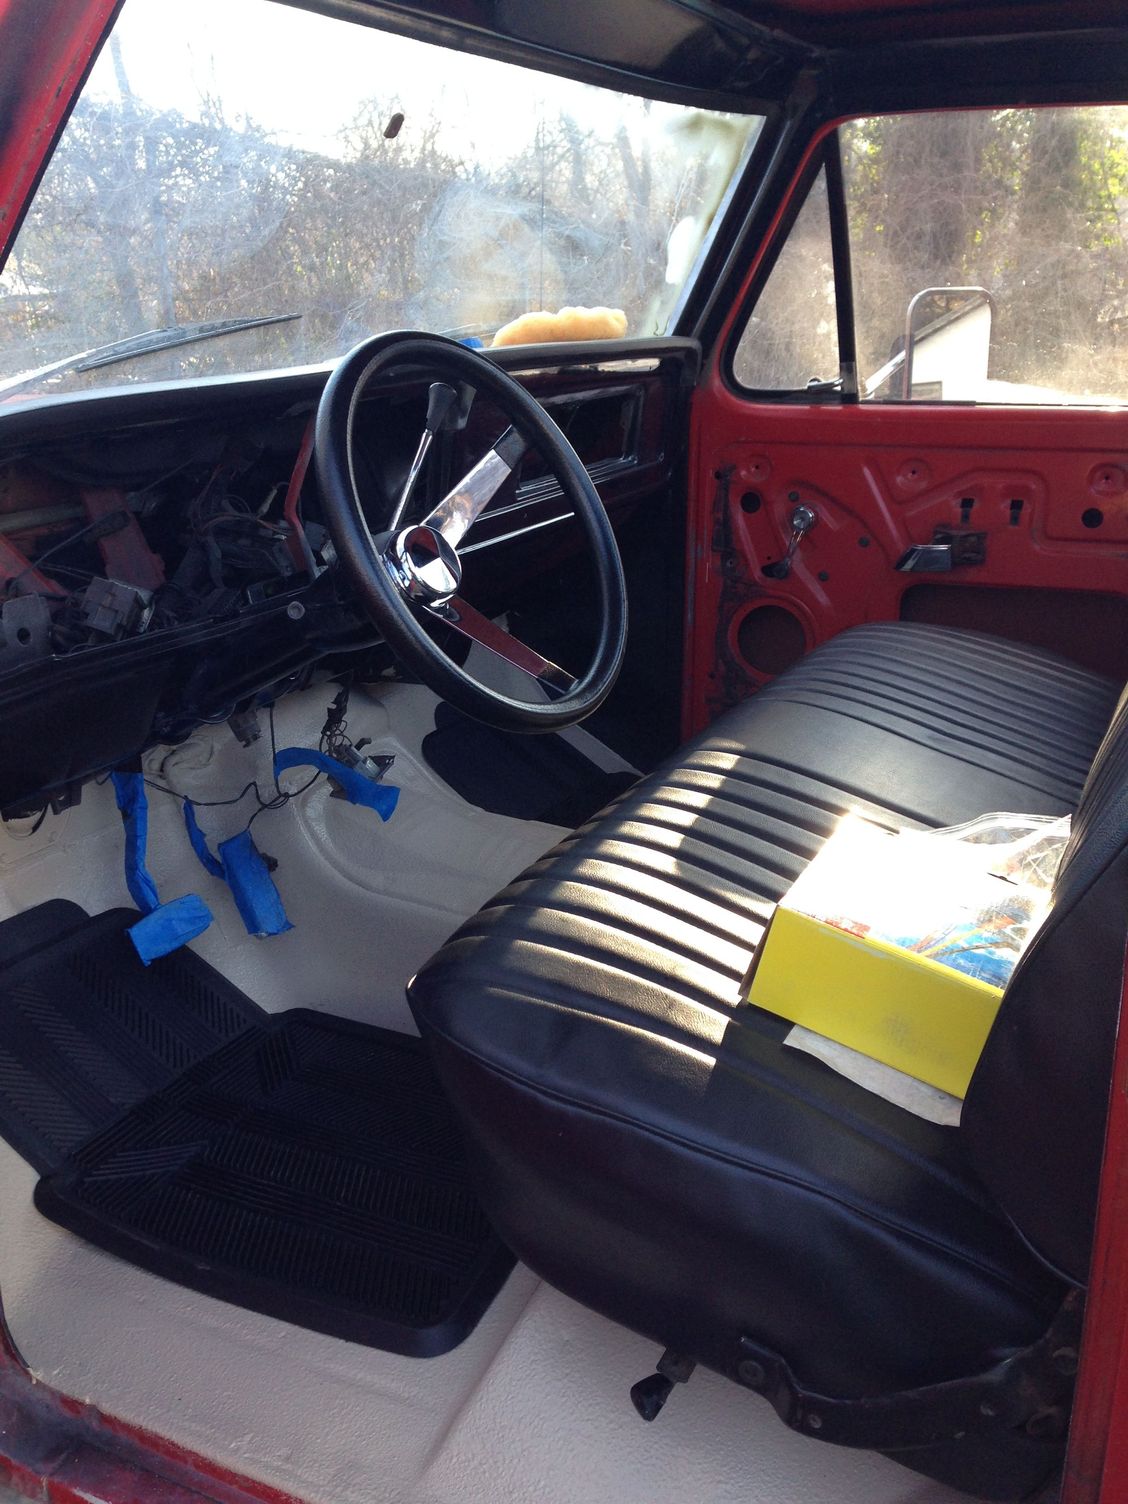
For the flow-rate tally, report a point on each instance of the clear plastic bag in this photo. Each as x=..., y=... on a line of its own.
x=970, y=896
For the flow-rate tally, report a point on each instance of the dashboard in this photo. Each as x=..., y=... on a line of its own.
x=163, y=559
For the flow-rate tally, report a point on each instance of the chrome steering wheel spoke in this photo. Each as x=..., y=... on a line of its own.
x=461, y=507
x=472, y=624
x=428, y=572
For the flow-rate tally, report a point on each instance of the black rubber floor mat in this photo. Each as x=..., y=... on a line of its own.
x=86, y=1031
x=527, y=777
x=310, y=1169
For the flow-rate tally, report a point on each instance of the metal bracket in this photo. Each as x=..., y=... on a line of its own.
x=372, y=766
x=1030, y=1391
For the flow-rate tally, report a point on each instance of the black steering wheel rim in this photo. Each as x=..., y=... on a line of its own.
x=362, y=555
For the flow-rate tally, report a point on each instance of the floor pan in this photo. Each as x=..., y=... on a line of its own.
x=300, y=1165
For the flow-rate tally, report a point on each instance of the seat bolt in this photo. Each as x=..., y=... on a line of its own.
x=295, y=610
x=814, y=1422
x=988, y=1409
x=749, y=1372
x=1065, y=1360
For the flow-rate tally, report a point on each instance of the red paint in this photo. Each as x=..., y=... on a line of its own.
x=13, y=565
x=125, y=554
x=291, y=510
x=60, y=1450
x=882, y=478
x=46, y=46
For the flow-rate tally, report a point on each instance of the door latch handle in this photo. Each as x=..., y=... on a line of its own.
x=926, y=558
x=951, y=548
x=803, y=519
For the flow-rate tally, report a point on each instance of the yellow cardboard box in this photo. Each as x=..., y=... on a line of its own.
x=892, y=1004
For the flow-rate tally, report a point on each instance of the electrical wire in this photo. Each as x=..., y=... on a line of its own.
x=271, y=803
x=332, y=740
x=26, y=835
x=98, y=522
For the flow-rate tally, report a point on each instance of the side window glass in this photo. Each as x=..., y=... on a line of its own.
x=791, y=338
x=989, y=251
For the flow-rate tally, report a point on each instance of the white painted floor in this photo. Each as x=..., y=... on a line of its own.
x=533, y=1408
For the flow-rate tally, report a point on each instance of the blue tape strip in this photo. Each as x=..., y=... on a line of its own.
x=199, y=840
x=129, y=790
x=252, y=887
x=382, y=797
x=169, y=926
x=166, y=926
x=241, y=867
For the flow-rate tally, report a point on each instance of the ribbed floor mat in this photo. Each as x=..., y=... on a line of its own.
x=86, y=1031
x=300, y=1165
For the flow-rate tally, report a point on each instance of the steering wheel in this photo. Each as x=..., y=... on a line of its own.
x=409, y=575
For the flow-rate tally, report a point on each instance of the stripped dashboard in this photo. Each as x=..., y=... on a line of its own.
x=163, y=560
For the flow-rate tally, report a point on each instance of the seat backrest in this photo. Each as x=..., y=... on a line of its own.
x=1034, y=1118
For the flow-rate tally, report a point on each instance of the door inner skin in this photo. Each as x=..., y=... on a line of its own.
x=1035, y=499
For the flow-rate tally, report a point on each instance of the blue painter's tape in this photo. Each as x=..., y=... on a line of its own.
x=129, y=790
x=169, y=926
x=165, y=925
x=382, y=797
x=252, y=887
x=241, y=867
x=199, y=841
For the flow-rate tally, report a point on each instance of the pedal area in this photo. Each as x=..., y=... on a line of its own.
x=296, y=1164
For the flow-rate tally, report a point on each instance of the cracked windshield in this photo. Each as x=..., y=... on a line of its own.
x=246, y=186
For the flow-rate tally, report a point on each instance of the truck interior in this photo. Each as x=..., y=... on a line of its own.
x=410, y=723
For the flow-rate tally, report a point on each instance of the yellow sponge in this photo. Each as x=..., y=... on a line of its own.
x=569, y=324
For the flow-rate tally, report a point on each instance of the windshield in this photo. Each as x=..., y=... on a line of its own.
x=238, y=159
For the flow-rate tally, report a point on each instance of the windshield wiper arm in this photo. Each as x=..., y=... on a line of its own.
x=140, y=344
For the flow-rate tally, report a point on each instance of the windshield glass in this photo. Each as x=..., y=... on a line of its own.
x=238, y=159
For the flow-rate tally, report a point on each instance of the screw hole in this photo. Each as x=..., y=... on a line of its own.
x=751, y=501
x=1092, y=517
x=23, y=636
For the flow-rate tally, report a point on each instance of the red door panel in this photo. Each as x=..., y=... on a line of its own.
x=1047, y=489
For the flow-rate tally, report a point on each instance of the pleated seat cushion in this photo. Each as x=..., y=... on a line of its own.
x=647, y=1142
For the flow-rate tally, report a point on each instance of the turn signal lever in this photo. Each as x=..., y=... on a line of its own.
x=442, y=401
x=803, y=519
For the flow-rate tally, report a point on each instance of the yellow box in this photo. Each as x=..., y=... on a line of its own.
x=904, y=1009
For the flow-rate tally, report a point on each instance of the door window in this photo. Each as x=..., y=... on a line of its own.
x=791, y=339
x=989, y=256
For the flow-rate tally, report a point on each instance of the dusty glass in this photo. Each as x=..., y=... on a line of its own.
x=235, y=159
x=1022, y=209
